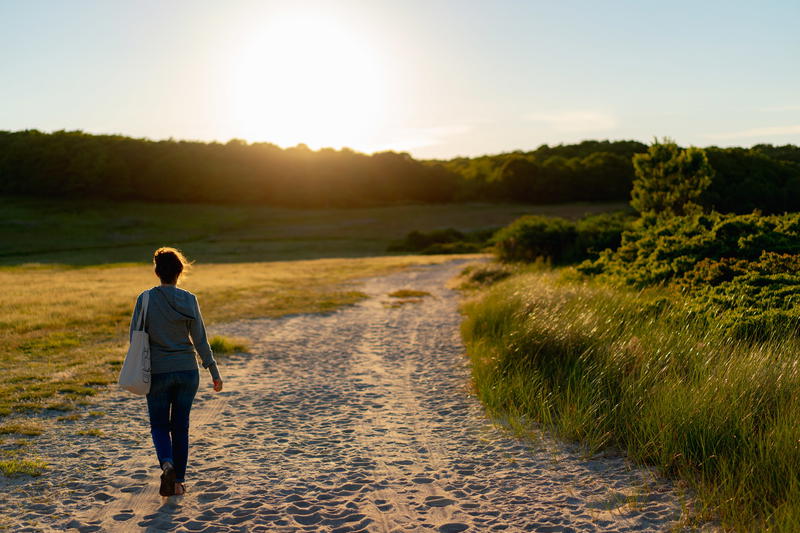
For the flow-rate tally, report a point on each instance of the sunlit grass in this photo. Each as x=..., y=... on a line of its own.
x=64, y=328
x=225, y=345
x=20, y=466
x=640, y=372
x=409, y=293
x=21, y=427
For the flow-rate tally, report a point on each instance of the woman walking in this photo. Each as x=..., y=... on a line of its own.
x=175, y=326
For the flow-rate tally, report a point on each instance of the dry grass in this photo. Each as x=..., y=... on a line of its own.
x=21, y=427
x=408, y=293
x=225, y=345
x=18, y=466
x=65, y=328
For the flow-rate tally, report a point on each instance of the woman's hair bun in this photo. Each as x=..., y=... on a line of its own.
x=170, y=264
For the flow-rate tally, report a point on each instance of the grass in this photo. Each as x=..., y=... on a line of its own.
x=225, y=345
x=18, y=466
x=21, y=427
x=71, y=271
x=408, y=293
x=637, y=370
x=90, y=232
x=60, y=345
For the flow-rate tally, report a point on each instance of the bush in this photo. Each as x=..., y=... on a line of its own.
x=749, y=298
x=599, y=232
x=444, y=241
x=744, y=270
x=662, y=251
x=533, y=237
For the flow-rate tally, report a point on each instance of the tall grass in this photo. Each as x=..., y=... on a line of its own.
x=640, y=371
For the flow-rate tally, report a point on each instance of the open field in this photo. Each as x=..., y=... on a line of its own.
x=35, y=230
x=641, y=371
x=65, y=328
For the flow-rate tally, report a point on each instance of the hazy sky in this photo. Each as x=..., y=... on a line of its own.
x=435, y=78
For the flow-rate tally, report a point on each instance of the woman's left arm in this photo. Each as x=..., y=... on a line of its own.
x=200, y=340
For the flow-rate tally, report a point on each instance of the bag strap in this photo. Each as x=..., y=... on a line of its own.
x=143, y=314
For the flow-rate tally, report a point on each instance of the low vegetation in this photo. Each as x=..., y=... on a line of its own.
x=640, y=370
x=741, y=272
x=18, y=466
x=409, y=293
x=226, y=345
x=678, y=346
x=84, y=232
x=21, y=427
x=444, y=241
x=560, y=240
x=59, y=347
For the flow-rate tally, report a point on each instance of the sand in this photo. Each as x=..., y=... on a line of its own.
x=359, y=420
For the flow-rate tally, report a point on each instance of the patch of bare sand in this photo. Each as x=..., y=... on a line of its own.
x=358, y=420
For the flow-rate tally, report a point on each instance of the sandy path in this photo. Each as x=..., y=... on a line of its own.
x=355, y=421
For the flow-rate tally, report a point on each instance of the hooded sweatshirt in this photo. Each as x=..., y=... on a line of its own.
x=176, y=330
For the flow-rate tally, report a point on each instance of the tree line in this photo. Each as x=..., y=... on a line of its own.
x=78, y=164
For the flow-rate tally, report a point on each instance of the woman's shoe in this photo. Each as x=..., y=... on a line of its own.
x=167, y=481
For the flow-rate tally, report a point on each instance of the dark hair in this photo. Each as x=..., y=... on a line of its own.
x=170, y=264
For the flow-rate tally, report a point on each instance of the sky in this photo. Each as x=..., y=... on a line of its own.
x=435, y=78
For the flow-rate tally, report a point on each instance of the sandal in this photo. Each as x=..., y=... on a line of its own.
x=167, y=481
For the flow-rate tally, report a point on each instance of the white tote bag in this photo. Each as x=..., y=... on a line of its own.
x=135, y=373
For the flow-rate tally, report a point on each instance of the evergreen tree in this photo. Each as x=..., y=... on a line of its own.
x=669, y=179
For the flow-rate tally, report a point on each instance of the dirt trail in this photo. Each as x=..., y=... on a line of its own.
x=355, y=421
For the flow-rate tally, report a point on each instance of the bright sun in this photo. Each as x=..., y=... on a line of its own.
x=308, y=80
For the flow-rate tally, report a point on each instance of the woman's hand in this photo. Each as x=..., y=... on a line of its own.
x=218, y=384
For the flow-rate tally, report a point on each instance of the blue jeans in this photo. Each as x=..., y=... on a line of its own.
x=168, y=403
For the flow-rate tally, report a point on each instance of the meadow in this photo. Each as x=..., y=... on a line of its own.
x=71, y=271
x=75, y=232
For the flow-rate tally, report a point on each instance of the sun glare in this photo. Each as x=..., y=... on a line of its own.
x=308, y=80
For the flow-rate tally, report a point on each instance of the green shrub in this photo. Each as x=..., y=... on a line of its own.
x=533, y=236
x=599, y=232
x=444, y=241
x=750, y=298
x=659, y=251
x=744, y=270
x=559, y=240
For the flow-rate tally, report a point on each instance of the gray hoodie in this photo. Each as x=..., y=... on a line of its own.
x=176, y=329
